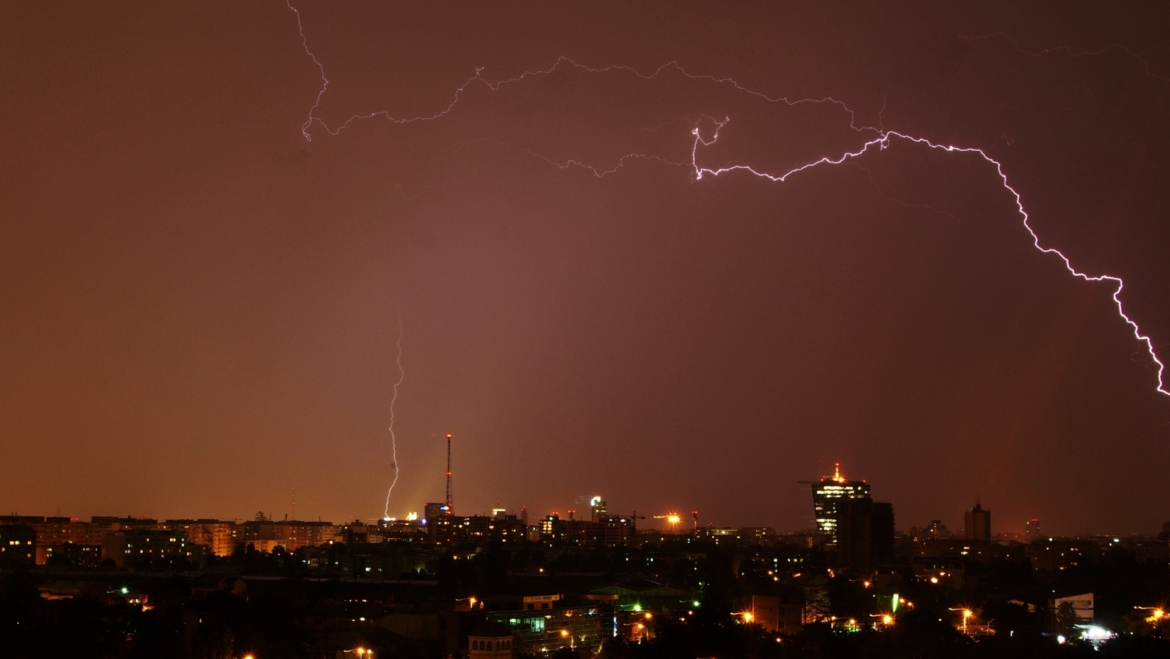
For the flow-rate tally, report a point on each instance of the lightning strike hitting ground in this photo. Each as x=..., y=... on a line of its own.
x=393, y=440
x=880, y=140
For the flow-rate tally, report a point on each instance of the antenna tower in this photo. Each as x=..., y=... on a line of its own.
x=450, y=498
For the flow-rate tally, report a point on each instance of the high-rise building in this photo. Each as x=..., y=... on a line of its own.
x=828, y=493
x=1032, y=530
x=597, y=508
x=977, y=524
x=865, y=533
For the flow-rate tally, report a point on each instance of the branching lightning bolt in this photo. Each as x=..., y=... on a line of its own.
x=393, y=440
x=882, y=142
x=879, y=140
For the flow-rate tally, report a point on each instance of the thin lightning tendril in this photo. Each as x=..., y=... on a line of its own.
x=393, y=441
x=1069, y=52
x=881, y=140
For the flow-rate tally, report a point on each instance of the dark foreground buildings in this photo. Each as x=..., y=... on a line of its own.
x=494, y=586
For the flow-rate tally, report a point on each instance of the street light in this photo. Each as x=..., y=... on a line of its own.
x=967, y=613
x=1157, y=613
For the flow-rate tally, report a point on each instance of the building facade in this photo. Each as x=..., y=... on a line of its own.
x=865, y=533
x=18, y=545
x=828, y=493
x=133, y=546
x=977, y=524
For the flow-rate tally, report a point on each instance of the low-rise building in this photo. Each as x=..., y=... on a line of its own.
x=776, y=616
x=490, y=640
x=542, y=631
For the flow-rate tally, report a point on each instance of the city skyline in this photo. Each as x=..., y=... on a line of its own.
x=213, y=294
x=822, y=517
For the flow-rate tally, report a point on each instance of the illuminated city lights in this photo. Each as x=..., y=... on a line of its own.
x=779, y=325
x=1095, y=633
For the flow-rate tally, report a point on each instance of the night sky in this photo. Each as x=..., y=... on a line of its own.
x=199, y=308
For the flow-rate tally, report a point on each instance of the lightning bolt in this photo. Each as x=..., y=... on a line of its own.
x=1069, y=52
x=879, y=139
x=882, y=142
x=393, y=441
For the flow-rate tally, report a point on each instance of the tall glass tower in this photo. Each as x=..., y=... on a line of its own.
x=827, y=492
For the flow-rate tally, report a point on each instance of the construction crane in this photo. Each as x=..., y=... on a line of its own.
x=634, y=520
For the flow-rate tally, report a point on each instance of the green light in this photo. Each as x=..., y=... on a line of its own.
x=695, y=604
x=895, y=607
x=637, y=608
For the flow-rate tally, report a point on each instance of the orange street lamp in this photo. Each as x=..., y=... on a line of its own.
x=967, y=613
x=1157, y=613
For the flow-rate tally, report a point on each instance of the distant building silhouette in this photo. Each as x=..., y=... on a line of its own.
x=977, y=524
x=18, y=545
x=133, y=546
x=1032, y=530
x=865, y=533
